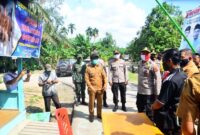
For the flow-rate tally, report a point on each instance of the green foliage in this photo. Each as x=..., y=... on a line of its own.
x=158, y=32
x=81, y=45
x=90, y=32
x=55, y=44
x=105, y=46
x=133, y=77
x=32, y=64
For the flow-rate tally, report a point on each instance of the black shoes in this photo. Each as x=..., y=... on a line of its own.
x=124, y=108
x=78, y=101
x=99, y=117
x=105, y=105
x=84, y=103
x=115, y=108
x=91, y=118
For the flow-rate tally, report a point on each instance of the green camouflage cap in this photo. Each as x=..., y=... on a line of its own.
x=145, y=50
x=154, y=53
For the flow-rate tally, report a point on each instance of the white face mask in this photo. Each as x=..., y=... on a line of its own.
x=142, y=57
x=117, y=56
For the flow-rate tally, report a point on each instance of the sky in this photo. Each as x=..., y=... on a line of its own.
x=122, y=18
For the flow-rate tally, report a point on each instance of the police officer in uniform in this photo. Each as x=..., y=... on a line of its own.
x=78, y=72
x=118, y=78
x=149, y=83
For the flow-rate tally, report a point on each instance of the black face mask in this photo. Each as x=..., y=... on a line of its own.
x=166, y=67
x=184, y=62
x=48, y=72
x=159, y=58
x=79, y=60
x=153, y=58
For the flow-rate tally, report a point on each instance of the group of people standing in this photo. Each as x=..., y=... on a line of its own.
x=170, y=98
x=168, y=89
x=94, y=75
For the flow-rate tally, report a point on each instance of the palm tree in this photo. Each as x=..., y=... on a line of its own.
x=63, y=31
x=89, y=32
x=35, y=7
x=71, y=28
x=95, y=33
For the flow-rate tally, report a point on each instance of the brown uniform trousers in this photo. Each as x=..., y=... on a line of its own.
x=96, y=81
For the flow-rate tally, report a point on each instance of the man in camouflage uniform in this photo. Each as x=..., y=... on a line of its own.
x=78, y=72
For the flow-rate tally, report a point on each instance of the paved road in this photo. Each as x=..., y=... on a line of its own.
x=81, y=124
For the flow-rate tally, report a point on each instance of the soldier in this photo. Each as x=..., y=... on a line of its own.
x=96, y=81
x=118, y=78
x=149, y=83
x=78, y=72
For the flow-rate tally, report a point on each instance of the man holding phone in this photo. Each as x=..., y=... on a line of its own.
x=47, y=81
x=11, y=78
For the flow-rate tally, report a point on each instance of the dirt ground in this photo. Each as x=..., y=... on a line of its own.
x=33, y=94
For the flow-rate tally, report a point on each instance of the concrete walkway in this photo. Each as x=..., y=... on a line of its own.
x=81, y=124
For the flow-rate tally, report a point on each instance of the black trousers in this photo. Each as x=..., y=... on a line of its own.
x=122, y=88
x=144, y=103
x=47, y=102
x=104, y=96
x=80, y=90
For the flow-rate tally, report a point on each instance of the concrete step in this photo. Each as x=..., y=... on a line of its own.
x=40, y=128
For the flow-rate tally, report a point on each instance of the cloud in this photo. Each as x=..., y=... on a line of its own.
x=120, y=18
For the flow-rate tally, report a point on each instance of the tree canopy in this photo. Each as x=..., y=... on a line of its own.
x=158, y=33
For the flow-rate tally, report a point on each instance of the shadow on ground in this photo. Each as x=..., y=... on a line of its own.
x=33, y=109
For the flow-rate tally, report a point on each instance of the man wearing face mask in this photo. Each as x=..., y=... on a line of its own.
x=196, y=59
x=149, y=83
x=102, y=63
x=11, y=78
x=96, y=81
x=118, y=79
x=187, y=63
x=47, y=81
x=78, y=72
x=165, y=105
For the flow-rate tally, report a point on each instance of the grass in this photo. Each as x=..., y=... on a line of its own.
x=1, y=78
x=34, y=99
x=133, y=77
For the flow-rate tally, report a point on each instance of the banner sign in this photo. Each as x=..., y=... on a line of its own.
x=191, y=27
x=22, y=34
